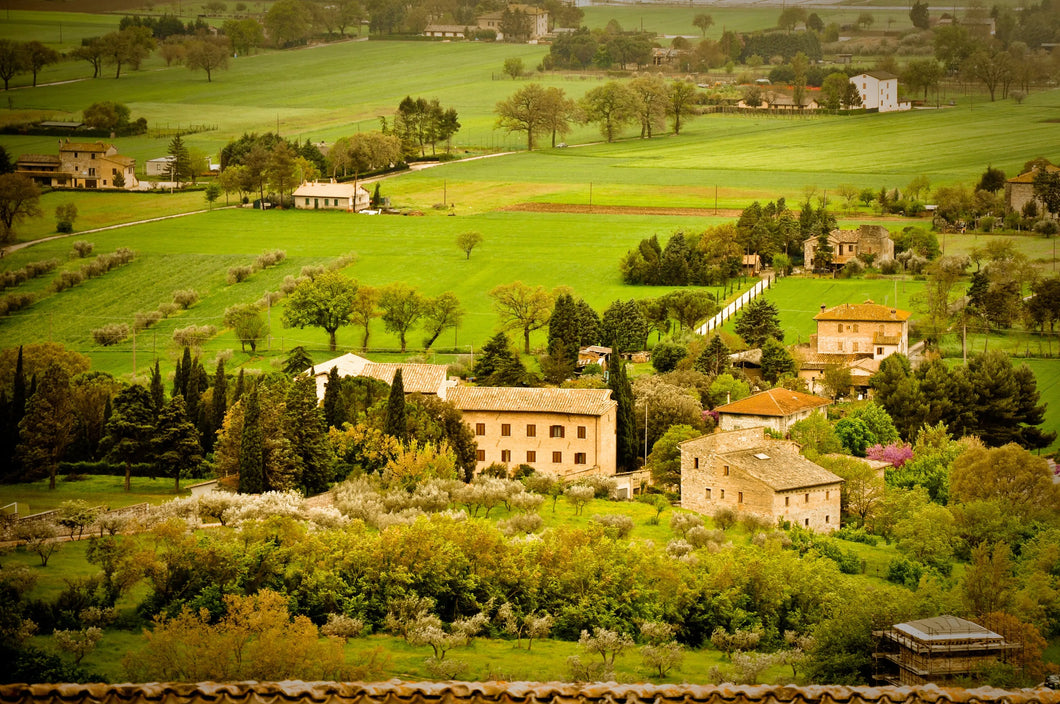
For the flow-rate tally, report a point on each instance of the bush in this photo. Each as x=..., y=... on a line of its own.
x=269, y=299
x=905, y=571
x=167, y=309
x=890, y=267
x=343, y=260
x=15, y=301
x=851, y=269
x=32, y=270
x=67, y=279
x=725, y=518
x=82, y=248
x=270, y=258
x=186, y=298
x=290, y=283
x=110, y=334
x=857, y=535
x=1048, y=228
x=521, y=524
x=616, y=526
x=343, y=626
x=311, y=271
x=193, y=335
x=142, y=320
x=239, y=274
x=681, y=523
x=666, y=355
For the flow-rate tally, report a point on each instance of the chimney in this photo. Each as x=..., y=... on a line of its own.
x=823, y=306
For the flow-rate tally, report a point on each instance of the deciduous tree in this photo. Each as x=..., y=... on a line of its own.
x=467, y=241
x=36, y=56
x=19, y=200
x=612, y=106
x=248, y=323
x=402, y=307
x=522, y=307
x=440, y=314
x=524, y=111
x=208, y=54
x=325, y=302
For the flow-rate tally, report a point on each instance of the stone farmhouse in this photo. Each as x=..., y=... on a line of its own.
x=594, y=354
x=562, y=432
x=747, y=472
x=431, y=379
x=89, y=165
x=853, y=335
x=320, y=195
x=537, y=16
x=1019, y=190
x=872, y=240
x=879, y=91
x=777, y=409
x=941, y=650
x=447, y=31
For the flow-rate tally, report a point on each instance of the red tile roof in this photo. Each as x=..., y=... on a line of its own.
x=864, y=311
x=585, y=402
x=1029, y=176
x=775, y=402
x=397, y=692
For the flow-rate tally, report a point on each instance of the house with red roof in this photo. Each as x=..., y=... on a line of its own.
x=776, y=409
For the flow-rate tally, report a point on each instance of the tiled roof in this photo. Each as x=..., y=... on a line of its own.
x=863, y=311
x=326, y=190
x=808, y=357
x=416, y=378
x=446, y=28
x=775, y=402
x=397, y=692
x=84, y=147
x=583, y=402
x=779, y=465
x=38, y=159
x=1029, y=176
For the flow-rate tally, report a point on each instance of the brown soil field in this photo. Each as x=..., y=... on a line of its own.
x=620, y=210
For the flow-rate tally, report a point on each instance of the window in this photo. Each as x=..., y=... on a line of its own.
x=879, y=350
x=827, y=494
x=555, y=431
x=531, y=431
x=739, y=497
x=725, y=470
x=557, y=457
x=840, y=345
x=579, y=458
x=307, y=201
x=581, y=432
x=480, y=428
x=506, y=430
x=826, y=518
x=855, y=327
x=806, y=522
x=855, y=346
x=722, y=494
x=708, y=493
x=531, y=456
x=480, y=455
x=695, y=463
x=807, y=499
x=840, y=327
x=787, y=501
x=506, y=456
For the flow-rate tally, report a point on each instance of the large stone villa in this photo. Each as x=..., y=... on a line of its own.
x=89, y=165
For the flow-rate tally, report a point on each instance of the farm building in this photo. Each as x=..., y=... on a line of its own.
x=89, y=165
x=538, y=19
x=319, y=195
x=776, y=409
x=878, y=91
x=562, y=432
x=874, y=240
x=1019, y=191
x=747, y=472
x=936, y=650
x=158, y=167
x=594, y=354
x=446, y=31
x=416, y=378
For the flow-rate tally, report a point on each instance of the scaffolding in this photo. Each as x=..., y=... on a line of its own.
x=937, y=650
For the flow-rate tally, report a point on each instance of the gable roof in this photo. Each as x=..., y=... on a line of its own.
x=879, y=75
x=774, y=403
x=84, y=147
x=779, y=466
x=864, y=311
x=398, y=692
x=1028, y=177
x=328, y=190
x=583, y=402
x=416, y=378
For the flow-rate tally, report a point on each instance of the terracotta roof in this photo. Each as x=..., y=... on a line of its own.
x=327, y=190
x=881, y=339
x=808, y=357
x=1029, y=176
x=779, y=465
x=864, y=311
x=583, y=402
x=84, y=147
x=416, y=378
x=397, y=692
x=775, y=402
x=38, y=158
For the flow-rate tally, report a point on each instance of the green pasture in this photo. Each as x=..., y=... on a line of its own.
x=61, y=31
x=98, y=490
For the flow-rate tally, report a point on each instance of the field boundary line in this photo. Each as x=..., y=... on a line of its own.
x=730, y=310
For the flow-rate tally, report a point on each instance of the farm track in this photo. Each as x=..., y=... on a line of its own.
x=584, y=209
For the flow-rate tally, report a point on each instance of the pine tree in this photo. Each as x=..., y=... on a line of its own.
x=395, y=409
x=563, y=328
x=588, y=322
x=252, y=447
x=714, y=359
x=182, y=374
x=158, y=393
x=334, y=409
x=625, y=424
x=759, y=322
x=47, y=428
x=130, y=428
x=298, y=360
x=180, y=166
x=776, y=361
x=308, y=434
x=175, y=443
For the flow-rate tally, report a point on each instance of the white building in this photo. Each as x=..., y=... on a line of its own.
x=878, y=91
x=317, y=195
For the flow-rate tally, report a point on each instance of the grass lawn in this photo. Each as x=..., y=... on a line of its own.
x=98, y=490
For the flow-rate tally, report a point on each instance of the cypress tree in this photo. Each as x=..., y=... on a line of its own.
x=8, y=436
x=625, y=424
x=308, y=434
x=334, y=410
x=237, y=393
x=395, y=409
x=18, y=396
x=252, y=448
x=183, y=374
x=47, y=428
x=219, y=404
x=158, y=394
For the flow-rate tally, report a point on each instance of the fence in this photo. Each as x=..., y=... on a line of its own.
x=730, y=310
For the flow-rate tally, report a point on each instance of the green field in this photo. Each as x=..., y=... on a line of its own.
x=97, y=490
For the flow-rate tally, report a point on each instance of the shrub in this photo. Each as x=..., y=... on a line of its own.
x=142, y=320
x=890, y=267
x=1047, y=228
x=67, y=279
x=616, y=526
x=82, y=248
x=167, y=309
x=290, y=283
x=311, y=271
x=603, y=487
x=699, y=536
x=343, y=261
x=239, y=274
x=753, y=523
x=725, y=518
x=904, y=571
x=32, y=270
x=681, y=523
x=110, y=334
x=666, y=355
x=343, y=626
x=186, y=298
x=521, y=524
x=678, y=548
x=857, y=535
x=269, y=299
x=15, y=301
x=270, y=258
x=193, y=335
x=851, y=269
